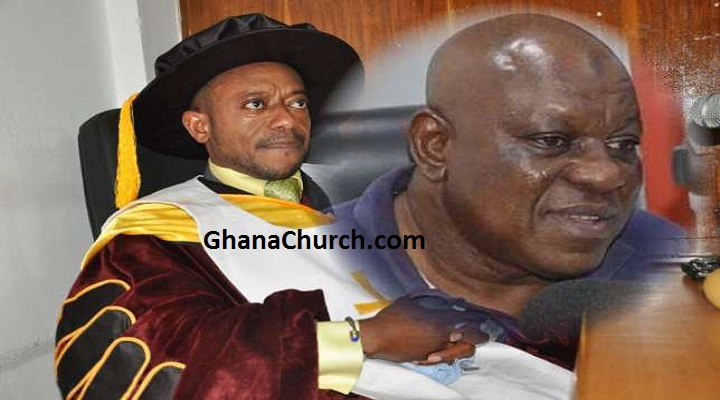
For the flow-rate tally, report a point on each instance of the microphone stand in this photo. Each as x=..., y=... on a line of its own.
x=695, y=165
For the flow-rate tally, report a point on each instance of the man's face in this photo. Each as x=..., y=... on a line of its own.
x=256, y=120
x=543, y=172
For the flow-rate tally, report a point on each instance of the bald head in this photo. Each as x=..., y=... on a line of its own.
x=529, y=144
x=523, y=52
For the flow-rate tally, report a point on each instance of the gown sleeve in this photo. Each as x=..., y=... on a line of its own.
x=152, y=319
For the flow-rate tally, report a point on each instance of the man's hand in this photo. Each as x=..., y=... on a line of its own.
x=408, y=331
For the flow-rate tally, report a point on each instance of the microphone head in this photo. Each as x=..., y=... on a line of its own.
x=705, y=111
x=556, y=312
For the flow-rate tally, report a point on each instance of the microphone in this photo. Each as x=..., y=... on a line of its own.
x=693, y=164
x=703, y=121
x=705, y=111
x=556, y=312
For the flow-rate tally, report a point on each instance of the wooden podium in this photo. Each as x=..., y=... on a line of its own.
x=666, y=348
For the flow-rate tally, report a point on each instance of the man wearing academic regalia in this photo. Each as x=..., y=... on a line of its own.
x=155, y=313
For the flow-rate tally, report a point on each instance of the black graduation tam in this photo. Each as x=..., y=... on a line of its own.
x=155, y=113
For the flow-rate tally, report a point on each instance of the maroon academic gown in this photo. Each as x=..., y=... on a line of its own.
x=158, y=320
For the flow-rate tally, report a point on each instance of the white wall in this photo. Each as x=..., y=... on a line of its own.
x=62, y=62
x=160, y=30
x=125, y=45
x=139, y=31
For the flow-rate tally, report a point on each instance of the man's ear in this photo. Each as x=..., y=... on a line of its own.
x=429, y=138
x=197, y=124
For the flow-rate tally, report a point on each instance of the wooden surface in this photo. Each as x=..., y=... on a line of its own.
x=679, y=39
x=371, y=25
x=669, y=348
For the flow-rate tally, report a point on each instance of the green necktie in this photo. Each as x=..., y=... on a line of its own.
x=284, y=189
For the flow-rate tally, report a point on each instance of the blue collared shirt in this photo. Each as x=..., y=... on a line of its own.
x=636, y=254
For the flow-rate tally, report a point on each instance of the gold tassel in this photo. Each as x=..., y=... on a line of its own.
x=127, y=175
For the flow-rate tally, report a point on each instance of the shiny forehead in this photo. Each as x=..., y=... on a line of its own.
x=532, y=47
